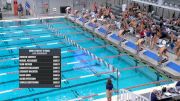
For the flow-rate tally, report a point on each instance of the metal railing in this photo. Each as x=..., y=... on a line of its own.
x=125, y=95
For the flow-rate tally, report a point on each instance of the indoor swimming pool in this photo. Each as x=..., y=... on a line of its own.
x=82, y=76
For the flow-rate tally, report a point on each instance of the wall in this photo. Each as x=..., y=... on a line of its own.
x=158, y=11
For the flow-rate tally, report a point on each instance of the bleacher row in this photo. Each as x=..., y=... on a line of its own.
x=168, y=67
x=117, y=11
x=170, y=3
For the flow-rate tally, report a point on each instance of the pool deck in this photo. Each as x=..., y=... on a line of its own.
x=25, y=18
x=160, y=68
x=142, y=92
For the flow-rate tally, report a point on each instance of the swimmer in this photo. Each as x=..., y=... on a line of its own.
x=140, y=44
x=75, y=13
x=68, y=10
x=94, y=20
x=86, y=15
x=121, y=33
x=163, y=52
x=109, y=26
x=177, y=48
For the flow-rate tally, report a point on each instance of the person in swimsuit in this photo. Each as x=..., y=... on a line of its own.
x=163, y=52
x=173, y=39
x=68, y=10
x=121, y=32
x=140, y=44
x=148, y=37
x=109, y=89
x=177, y=48
x=155, y=38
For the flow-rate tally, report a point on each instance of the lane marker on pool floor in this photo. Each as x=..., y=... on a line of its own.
x=86, y=76
x=31, y=46
x=75, y=62
x=17, y=32
x=6, y=91
x=44, y=36
x=2, y=33
x=7, y=40
x=13, y=26
x=36, y=30
x=25, y=38
x=31, y=25
x=53, y=43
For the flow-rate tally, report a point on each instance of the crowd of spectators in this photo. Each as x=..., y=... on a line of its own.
x=139, y=23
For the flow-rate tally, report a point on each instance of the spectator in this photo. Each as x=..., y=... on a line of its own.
x=154, y=96
x=148, y=36
x=178, y=84
x=94, y=7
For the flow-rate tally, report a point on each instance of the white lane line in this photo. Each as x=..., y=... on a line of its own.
x=69, y=63
x=11, y=48
x=13, y=26
x=45, y=36
x=14, y=58
x=31, y=46
x=64, y=52
x=32, y=25
x=24, y=38
x=86, y=76
x=102, y=93
x=13, y=72
x=52, y=43
x=2, y=33
x=18, y=32
x=6, y=91
x=3, y=74
x=7, y=40
x=36, y=30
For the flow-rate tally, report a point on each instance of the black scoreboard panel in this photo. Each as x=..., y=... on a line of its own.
x=39, y=68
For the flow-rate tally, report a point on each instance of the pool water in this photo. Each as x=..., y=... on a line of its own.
x=75, y=62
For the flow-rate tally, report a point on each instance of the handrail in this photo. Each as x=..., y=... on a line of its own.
x=126, y=90
x=146, y=84
x=127, y=95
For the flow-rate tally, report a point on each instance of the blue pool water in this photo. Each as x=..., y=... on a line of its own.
x=76, y=63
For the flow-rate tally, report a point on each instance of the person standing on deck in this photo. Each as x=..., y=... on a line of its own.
x=177, y=49
x=20, y=10
x=109, y=89
x=163, y=52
